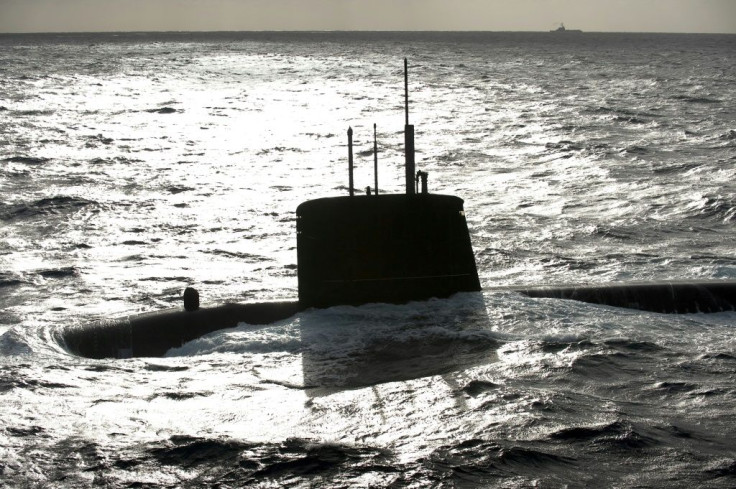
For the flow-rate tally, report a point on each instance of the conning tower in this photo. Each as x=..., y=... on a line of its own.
x=394, y=248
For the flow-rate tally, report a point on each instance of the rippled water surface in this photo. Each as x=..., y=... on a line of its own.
x=134, y=165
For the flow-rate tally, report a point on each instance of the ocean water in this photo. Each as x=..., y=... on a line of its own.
x=133, y=165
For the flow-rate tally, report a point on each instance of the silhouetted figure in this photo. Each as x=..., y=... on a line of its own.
x=422, y=177
x=191, y=299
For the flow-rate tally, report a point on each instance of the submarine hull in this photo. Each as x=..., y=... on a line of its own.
x=663, y=297
x=153, y=334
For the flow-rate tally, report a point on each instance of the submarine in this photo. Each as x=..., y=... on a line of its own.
x=373, y=248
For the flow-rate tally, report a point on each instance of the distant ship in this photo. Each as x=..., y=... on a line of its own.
x=563, y=29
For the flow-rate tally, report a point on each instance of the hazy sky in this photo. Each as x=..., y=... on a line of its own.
x=493, y=15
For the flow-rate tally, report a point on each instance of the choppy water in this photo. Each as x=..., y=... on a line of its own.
x=132, y=165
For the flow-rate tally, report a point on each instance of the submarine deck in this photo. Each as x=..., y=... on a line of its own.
x=153, y=334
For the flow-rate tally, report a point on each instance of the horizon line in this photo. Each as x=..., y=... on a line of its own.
x=327, y=31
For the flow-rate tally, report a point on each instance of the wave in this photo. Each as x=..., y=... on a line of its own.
x=722, y=356
x=696, y=99
x=63, y=272
x=722, y=468
x=192, y=461
x=114, y=161
x=668, y=168
x=13, y=342
x=634, y=150
x=676, y=387
x=474, y=462
x=614, y=232
x=616, y=435
x=475, y=388
x=280, y=150
x=597, y=363
x=177, y=189
x=614, y=360
x=9, y=280
x=623, y=115
x=247, y=257
x=713, y=207
x=28, y=160
x=32, y=113
x=43, y=207
x=630, y=119
x=460, y=158
x=92, y=141
x=162, y=110
x=29, y=385
x=628, y=345
x=564, y=146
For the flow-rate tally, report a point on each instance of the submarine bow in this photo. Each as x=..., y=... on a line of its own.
x=152, y=334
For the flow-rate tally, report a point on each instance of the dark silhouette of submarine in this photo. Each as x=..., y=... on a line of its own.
x=359, y=249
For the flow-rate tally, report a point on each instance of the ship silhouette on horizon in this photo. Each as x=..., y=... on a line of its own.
x=563, y=29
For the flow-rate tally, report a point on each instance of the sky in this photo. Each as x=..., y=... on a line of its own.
x=462, y=15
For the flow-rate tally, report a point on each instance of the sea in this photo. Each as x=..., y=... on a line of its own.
x=133, y=165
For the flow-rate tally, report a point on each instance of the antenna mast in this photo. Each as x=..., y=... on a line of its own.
x=408, y=136
x=350, y=161
x=375, y=157
x=406, y=90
